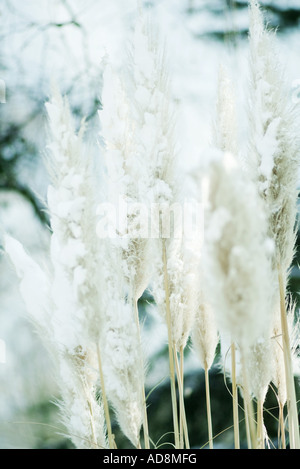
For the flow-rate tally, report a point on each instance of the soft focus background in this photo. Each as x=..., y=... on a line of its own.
x=64, y=41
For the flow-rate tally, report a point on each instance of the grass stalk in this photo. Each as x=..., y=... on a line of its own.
x=235, y=399
x=170, y=345
x=291, y=393
x=92, y=424
x=183, y=421
x=111, y=440
x=282, y=426
x=181, y=356
x=143, y=395
x=247, y=426
x=249, y=411
x=260, y=425
x=208, y=408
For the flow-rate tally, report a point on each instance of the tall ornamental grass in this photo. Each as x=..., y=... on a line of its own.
x=222, y=291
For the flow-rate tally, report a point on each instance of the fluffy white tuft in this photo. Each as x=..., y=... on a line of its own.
x=237, y=256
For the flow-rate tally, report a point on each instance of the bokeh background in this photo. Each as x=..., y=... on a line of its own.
x=66, y=41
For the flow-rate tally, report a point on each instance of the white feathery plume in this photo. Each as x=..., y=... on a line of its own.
x=34, y=287
x=74, y=242
x=81, y=412
x=260, y=365
x=121, y=347
x=128, y=251
x=274, y=161
x=205, y=336
x=125, y=185
x=236, y=243
x=274, y=145
x=73, y=319
x=191, y=285
x=182, y=276
x=153, y=117
x=93, y=314
x=75, y=253
x=204, y=332
x=122, y=365
x=225, y=133
x=178, y=310
x=225, y=139
x=205, y=339
x=153, y=114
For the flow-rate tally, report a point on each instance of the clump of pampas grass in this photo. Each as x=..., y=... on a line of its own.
x=128, y=246
x=236, y=241
x=274, y=161
x=152, y=113
x=227, y=287
x=71, y=299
